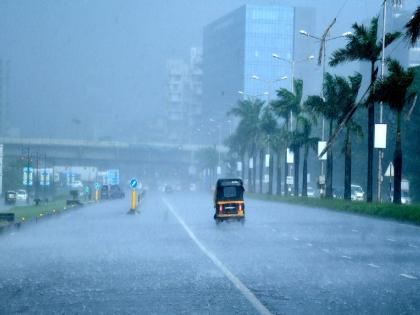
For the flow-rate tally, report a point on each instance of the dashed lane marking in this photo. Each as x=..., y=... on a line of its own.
x=408, y=276
x=309, y=244
x=345, y=257
x=354, y=230
x=261, y=309
x=390, y=240
x=413, y=246
x=296, y=238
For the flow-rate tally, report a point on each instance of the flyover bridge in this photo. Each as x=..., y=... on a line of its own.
x=104, y=154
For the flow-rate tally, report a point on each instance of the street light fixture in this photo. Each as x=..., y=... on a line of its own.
x=323, y=40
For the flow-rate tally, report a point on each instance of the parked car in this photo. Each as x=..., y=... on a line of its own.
x=405, y=198
x=10, y=197
x=21, y=194
x=311, y=192
x=357, y=193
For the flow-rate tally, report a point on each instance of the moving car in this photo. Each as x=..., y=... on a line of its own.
x=105, y=192
x=115, y=192
x=357, y=193
x=10, y=197
x=168, y=188
x=21, y=194
x=229, y=200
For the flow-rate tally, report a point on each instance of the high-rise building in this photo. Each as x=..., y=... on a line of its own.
x=237, y=55
x=183, y=99
x=4, y=96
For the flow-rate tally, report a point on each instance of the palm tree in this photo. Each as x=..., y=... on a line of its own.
x=308, y=142
x=268, y=126
x=335, y=91
x=237, y=144
x=363, y=45
x=248, y=111
x=279, y=141
x=208, y=158
x=288, y=102
x=413, y=27
x=350, y=90
x=394, y=91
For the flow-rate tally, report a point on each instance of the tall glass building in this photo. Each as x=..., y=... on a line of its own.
x=240, y=45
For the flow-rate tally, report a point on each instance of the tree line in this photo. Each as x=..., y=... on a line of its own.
x=287, y=122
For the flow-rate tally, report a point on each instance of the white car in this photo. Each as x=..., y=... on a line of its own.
x=21, y=194
x=405, y=198
x=311, y=192
x=357, y=193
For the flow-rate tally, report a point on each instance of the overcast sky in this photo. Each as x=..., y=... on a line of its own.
x=95, y=60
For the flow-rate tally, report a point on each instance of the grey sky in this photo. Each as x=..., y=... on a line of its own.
x=103, y=62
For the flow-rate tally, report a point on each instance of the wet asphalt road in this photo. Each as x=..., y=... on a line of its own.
x=173, y=259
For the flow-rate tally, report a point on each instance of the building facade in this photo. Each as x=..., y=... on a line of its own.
x=237, y=56
x=183, y=97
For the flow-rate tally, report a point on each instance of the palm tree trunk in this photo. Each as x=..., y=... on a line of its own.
x=305, y=172
x=261, y=170
x=296, y=170
x=271, y=174
x=329, y=173
x=243, y=167
x=347, y=166
x=278, y=189
x=398, y=159
x=254, y=170
x=249, y=173
x=286, y=170
x=371, y=125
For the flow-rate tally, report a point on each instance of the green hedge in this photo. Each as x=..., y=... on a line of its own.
x=404, y=213
x=24, y=213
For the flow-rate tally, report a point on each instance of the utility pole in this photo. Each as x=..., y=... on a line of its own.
x=28, y=165
x=36, y=181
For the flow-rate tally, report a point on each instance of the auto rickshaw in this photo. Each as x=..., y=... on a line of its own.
x=10, y=197
x=229, y=200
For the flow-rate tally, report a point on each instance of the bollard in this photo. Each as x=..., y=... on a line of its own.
x=97, y=195
x=133, y=208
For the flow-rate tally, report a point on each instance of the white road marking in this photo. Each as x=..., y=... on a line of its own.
x=412, y=246
x=354, y=230
x=408, y=276
x=261, y=309
x=274, y=230
x=326, y=250
x=390, y=240
x=373, y=265
x=296, y=239
x=345, y=257
x=309, y=244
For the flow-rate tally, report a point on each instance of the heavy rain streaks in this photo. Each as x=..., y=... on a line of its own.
x=209, y=157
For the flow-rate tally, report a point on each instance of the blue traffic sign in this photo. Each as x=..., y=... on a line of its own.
x=133, y=183
x=97, y=186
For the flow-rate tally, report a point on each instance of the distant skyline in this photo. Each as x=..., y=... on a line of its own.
x=98, y=60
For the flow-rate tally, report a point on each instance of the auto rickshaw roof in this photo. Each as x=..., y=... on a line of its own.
x=229, y=182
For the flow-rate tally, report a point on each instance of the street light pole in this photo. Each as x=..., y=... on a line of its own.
x=323, y=40
x=381, y=106
x=292, y=63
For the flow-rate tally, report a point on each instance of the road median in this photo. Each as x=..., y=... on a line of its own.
x=402, y=213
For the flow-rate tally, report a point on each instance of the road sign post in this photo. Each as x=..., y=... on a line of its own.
x=97, y=186
x=133, y=207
